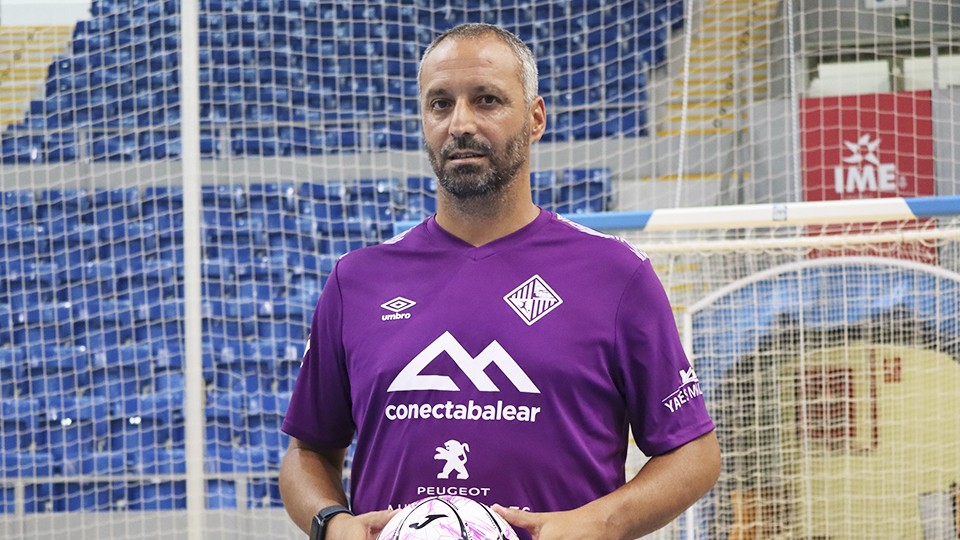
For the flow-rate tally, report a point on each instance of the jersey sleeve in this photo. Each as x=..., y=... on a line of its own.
x=666, y=407
x=320, y=405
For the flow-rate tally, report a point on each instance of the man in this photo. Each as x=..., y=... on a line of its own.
x=495, y=350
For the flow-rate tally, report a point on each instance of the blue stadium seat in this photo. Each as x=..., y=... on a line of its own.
x=24, y=286
x=225, y=418
x=221, y=494
x=21, y=465
x=310, y=264
x=55, y=370
x=146, y=422
x=628, y=87
x=18, y=205
x=21, y=149
x=245, y=366
x=167, y=355
x=119, y=372
x=379, y=190
x=268, y=275
x=272, y=196
x=224, y=196
x=281, y=328
x=222, y=460
x=109, y=147
x=158, y=275
x=543, y=185
x=61, y=147
x=328, y=191
x=264, y=415
x=7, y=321
x=584, y=190
x=11, y=370
x=75, y=426
x=626, y=122
x=258, y=291
x=120, y=203
x=578, y=125
x=262, y=141
x=420, y=206
x=168, y=381
x=159, y=145
x=162, y=200
x=393, y=135
x=53, y=322
x=18, y=423
x=96, y=277
x=98, y=496
x=158, y=494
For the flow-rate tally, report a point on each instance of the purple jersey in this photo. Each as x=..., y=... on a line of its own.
x=508, y=373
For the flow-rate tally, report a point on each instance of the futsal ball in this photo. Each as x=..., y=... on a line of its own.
x=447, y=517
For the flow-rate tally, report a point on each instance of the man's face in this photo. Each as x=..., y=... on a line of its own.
x=476, y=123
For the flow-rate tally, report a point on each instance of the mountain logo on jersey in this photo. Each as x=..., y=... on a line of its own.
x=411, y=377
x=397, y=306
x=688, y=390
x=454, y=453
x=533, y=299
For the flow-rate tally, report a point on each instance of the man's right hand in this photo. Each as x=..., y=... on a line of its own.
x=363, y=527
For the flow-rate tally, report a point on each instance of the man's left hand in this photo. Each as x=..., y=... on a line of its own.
x=570, y=525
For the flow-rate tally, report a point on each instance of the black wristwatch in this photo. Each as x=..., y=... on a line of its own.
x=318, y=529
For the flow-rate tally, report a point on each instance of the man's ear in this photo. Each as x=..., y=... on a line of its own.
x=538, y=119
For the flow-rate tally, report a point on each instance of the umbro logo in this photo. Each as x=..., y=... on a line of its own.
x=533, y=299
x=398, y=305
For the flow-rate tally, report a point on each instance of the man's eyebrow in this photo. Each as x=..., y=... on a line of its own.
x=476, y=90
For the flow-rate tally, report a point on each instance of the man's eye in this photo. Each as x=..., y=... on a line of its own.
x=489, y=100
x=439, y=105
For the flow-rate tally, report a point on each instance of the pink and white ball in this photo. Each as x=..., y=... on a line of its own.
x=447, y=517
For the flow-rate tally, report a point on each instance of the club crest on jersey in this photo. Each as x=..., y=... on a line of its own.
x=398, y=305
x=533, y=299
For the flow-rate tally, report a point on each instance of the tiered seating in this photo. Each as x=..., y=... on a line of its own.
x=91, y=322
x=285, y=77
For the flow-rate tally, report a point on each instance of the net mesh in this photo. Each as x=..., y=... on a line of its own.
x=311, y=146
x=830, y=367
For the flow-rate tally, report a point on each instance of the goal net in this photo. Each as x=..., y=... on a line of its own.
x=178, y=178
x=830, y=368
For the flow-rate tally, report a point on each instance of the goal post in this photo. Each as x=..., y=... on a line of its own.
x=764, y=215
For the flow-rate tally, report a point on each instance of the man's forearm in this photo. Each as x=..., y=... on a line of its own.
x=310, y=480
x=665, y=487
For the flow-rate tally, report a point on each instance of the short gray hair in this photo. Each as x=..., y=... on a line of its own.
x=529, y=77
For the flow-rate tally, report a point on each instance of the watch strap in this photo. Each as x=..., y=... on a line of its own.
x=318, y=529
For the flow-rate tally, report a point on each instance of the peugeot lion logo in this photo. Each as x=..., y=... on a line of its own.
x=455, y=454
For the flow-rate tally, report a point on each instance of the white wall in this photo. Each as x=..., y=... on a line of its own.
x=43, y=12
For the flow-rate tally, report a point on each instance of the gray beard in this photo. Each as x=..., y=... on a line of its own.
x=467, y=185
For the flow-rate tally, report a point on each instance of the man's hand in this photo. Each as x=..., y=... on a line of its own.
x=570, y=525
x=363, y=527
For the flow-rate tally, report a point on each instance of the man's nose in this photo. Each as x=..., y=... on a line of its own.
x=463, y=120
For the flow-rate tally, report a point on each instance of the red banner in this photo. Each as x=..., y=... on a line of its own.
x=865, y=147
